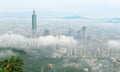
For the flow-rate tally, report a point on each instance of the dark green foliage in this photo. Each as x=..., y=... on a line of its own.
x=13, y=64
x=38, y=63
x=72, y=69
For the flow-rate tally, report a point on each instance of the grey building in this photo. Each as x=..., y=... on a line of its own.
x=84, y=32
x=46, y=32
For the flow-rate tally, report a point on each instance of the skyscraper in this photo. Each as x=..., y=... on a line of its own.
x=70, y=31
x=84, y=34
x=46, y=32
x=34, y=25
x=79, y=34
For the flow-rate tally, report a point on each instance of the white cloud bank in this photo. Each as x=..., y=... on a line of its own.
x=19, y=41
x=114, y=44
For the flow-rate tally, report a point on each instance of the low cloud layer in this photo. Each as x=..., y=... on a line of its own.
x=6, y=53
x=114, y=44
x=19, y=41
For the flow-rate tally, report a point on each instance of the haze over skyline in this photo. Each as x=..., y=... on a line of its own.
x=61, y=8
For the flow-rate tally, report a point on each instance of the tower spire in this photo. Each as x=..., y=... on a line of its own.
x=34, y=25
x=33, y=11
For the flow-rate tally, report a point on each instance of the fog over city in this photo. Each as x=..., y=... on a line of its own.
x=60, y=35
x=17, y=32
x=82, y=39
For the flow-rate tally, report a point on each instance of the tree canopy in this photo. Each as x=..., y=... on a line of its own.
x=12, y=64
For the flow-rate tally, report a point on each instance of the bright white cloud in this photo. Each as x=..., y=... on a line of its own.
x=19, y=41
x=114, y=44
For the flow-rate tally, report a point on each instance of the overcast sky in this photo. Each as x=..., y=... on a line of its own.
x=85, y=8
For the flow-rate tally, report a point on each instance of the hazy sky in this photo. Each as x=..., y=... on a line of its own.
x=85, y=8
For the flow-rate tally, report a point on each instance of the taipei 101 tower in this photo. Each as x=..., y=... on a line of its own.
x=34, y=25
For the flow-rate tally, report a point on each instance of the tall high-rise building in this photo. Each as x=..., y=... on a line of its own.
x=70, y=31
x=46, y=32
x=78, y=34
x=34, y=25
x=84, y=34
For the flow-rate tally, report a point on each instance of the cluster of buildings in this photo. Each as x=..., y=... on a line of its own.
x=93, y=50
x=81, y=33
x=88, y=45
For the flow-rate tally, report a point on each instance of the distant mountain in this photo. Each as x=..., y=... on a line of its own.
x=74, y=17
x=113, y=20
x=41, y=15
